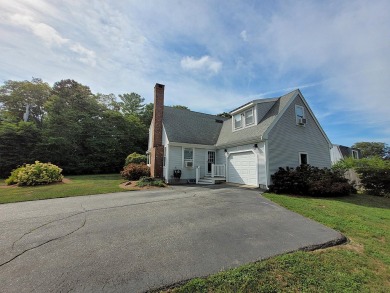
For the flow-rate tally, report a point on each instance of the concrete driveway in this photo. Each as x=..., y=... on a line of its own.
x=137, y=241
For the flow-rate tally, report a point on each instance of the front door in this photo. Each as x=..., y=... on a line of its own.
x=210, y=161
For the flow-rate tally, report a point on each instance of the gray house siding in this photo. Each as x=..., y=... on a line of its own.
x=286, y=140
x=176, y=162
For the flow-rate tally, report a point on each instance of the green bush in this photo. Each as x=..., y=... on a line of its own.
x=135, y=158
x=374, y=173
x=135, y=171
x=150, y=181
x=13, y=178
x=35, y=174
x=309, y=180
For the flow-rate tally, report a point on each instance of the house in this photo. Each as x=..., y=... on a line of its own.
x=247, y=148
x=339, y=152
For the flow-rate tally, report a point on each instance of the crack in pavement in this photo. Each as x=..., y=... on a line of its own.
x=84, y=222
x=50, y=240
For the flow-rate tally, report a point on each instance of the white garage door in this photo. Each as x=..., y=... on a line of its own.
x=242, y=168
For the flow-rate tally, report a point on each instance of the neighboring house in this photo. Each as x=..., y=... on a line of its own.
x=339, y=152
x=261, y=136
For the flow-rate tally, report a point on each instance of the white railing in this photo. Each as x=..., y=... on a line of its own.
x=197, y=174
x=218, y=170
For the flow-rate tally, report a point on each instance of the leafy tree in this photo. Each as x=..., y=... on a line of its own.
x=180, y=107
x=224, y=114
x=131, y=103
x=18, y=143
x=147, y=114
x=372, y=149
x=15, y=96
x=109, y=101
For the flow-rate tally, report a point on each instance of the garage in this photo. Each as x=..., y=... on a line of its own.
x=242, y=168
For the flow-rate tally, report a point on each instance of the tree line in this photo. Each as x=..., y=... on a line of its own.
x=67, y=125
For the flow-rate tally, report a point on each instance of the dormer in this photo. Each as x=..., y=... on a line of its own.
x=244, y=116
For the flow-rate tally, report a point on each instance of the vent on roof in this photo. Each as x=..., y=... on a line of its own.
x=218, y=121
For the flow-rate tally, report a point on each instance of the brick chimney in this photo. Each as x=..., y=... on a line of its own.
x=157, y=153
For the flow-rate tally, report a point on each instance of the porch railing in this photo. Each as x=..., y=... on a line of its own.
x=218, y=170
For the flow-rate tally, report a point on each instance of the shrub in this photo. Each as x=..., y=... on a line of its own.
x=135, y=158
x=376, y=181
x=135, y=171
x=35, y=174
x=374, y=173
x=309, y=180
x=13, y=178
x=150, y=181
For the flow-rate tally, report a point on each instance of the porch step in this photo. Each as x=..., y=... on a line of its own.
x=205, y=181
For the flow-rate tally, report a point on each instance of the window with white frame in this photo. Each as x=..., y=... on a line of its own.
x=165, y=156
x=244, y=119
x=300, y=115
x=237, y=121
x=249, y=117
x=188, y=156
x=355, y=154
x=148, y=159
x=303, y=159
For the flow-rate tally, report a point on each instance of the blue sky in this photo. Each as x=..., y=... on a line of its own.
x=213, y=55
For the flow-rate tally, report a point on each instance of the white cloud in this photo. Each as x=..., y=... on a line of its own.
x=205, y=63
x=244, y=35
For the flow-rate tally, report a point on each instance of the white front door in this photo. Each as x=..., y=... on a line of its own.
x=209, y=161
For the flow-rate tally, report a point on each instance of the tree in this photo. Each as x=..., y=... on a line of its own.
x=225, y=115
x=147, y=114
x=15, y=96
x=131, y=103
x=18, y=143
x=372, y=149
x=180, y=107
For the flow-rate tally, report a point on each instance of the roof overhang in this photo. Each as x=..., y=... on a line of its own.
x=242, y=108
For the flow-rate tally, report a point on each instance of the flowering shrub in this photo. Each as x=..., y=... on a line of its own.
x=35, y=174
x=135, y=171
x=135, y=158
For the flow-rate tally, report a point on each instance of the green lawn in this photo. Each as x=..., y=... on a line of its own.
x=362, y=265
x=78, y=185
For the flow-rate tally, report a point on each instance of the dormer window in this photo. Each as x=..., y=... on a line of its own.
x=244, y=119
x=249, y=118
x=237, y=121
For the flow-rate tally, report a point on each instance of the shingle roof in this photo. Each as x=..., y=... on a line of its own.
x=228, y=136
x=186, y=126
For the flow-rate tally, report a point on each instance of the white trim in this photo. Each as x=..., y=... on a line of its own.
x=167, y=165
x=242, y=108
x=206, y=160
x=296, y=116
x=192, y=145
x=193, y=157
x=265, y=135
x=299, y=157
x=243, y=120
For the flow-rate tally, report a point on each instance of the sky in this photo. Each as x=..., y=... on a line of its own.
x=213, y=56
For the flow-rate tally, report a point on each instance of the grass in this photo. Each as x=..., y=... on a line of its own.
x=362, y=265
x=78, y=185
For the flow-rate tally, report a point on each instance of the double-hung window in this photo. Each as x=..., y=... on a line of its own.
x=300, y=115
x=249, y=118
x=237, y=121
x=188, y=157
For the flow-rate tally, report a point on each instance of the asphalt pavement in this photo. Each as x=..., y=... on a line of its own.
x=142, y=240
